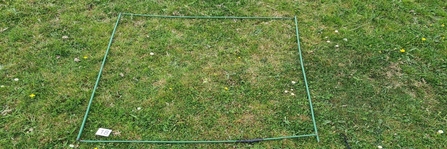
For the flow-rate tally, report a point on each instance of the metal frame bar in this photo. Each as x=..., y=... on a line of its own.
x=208, y=17
x=305, y=79
x=78, y=138
x=196, y=142
x=98, y=78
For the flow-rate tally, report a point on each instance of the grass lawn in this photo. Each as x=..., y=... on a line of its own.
x=377, y=73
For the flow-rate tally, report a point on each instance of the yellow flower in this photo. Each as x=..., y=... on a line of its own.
x=85, y=57
x=402, y=50
x=170, y=88
x=96, y=148
x=226, y=88
x=32, y=95
x=442, y=25
x=423, y=39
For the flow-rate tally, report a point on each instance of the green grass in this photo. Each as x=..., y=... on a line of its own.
x=366, y=88
x=201, y=80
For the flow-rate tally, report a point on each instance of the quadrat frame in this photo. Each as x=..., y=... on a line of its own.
x=315, y=134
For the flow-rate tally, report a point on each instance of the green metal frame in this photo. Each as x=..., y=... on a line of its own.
x=315, y=134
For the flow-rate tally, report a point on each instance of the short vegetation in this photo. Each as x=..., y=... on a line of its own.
x=377, y=73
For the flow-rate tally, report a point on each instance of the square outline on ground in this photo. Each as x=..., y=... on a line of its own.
x=204, y=141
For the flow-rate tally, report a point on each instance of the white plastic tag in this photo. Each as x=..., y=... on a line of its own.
x=103, y=132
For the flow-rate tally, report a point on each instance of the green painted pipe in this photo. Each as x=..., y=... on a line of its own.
x=97, y=79
x=197, y=142
x=305, y=79
x=209, y=17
